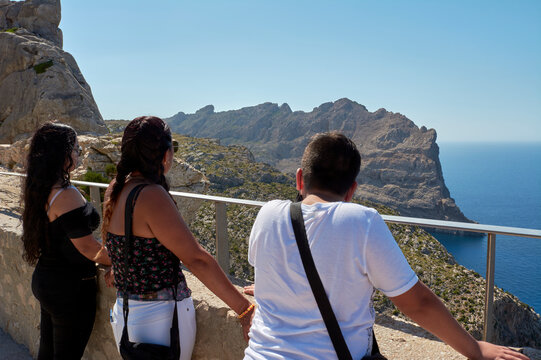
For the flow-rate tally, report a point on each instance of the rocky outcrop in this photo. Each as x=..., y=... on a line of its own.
x=513, y=323
x=40, y=17
x=101, y=153
x=400, y=161
x=40, y=82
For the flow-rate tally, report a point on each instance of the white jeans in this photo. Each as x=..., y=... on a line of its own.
x=150, y=322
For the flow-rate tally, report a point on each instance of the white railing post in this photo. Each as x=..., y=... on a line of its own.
x=489, y=291
x=95, y=198
x=222, y=241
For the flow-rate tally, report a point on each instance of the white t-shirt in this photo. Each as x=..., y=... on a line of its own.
x=354, y=252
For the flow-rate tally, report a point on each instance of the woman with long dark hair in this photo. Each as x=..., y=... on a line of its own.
x=160, y=239
x=57, y=238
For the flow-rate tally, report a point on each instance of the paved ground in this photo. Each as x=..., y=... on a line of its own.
x=10, y=350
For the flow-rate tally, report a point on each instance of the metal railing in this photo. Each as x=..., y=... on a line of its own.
x=222, y=241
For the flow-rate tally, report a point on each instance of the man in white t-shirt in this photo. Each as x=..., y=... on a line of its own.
x=354, y=253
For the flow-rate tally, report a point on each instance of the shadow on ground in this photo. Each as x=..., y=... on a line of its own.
x=404, y=326
x=9, y=349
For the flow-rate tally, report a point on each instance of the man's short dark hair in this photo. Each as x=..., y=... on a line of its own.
x=330, y=162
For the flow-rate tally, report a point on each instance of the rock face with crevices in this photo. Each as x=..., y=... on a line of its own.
x=400, y=161
x=40, y=17
x=40, y=82
x=101, y=154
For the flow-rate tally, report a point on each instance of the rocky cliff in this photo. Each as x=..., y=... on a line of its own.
x=39, y=81
x=400, y=161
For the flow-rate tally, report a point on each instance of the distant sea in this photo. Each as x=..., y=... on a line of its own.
x=498, y=184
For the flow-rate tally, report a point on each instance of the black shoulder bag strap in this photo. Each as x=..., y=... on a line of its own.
x=325, y=308
x=128, y=217
x=128, y=229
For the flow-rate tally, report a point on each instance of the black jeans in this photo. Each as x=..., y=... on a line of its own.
x=68, y=309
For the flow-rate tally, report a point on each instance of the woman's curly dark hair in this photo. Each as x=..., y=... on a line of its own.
x=144, y=144
x=48, y=162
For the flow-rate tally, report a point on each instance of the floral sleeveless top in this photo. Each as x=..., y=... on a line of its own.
x=150, y=269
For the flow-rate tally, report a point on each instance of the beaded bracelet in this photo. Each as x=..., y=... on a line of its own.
x=248, y=309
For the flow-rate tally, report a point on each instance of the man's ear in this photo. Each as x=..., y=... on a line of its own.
x=351, y=192
x=298, y=175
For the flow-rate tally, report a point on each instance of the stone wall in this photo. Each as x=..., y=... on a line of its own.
x=19, y=313
x=219, y=334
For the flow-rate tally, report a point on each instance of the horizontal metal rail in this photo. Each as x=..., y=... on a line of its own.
x=438, y=224
x=463, y=226
x=222, y=242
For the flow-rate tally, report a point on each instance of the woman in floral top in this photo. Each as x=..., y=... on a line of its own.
x=160, y=238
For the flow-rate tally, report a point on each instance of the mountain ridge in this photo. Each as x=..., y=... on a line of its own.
x=400, y=161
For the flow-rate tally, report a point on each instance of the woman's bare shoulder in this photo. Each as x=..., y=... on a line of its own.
x=155, y=204
x=154, y=194
x=69, y=199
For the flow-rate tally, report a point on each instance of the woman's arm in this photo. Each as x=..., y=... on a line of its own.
x=422, y=306
x=167, y=225
x=92, y=249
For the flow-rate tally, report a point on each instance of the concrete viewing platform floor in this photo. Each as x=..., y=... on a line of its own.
x=410, y=343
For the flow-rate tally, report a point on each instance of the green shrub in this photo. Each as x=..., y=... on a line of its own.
x=93, y=176
x=11, y=30
x=40, y=68
x=110, y=170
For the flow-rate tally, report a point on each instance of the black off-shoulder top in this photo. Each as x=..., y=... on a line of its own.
x=60, y=252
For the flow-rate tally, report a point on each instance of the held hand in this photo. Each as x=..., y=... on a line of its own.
x=249, y=290
x=496, y=352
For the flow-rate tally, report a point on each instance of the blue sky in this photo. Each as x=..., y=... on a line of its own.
x=469, y=69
